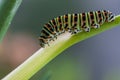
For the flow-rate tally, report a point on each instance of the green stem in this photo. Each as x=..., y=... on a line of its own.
x=44, y=55
x=8, y=9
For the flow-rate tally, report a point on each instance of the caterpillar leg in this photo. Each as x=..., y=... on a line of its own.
x=54, y=36
x=63, y=31
x=86, y=29
x=96, y=26
x=74, y=31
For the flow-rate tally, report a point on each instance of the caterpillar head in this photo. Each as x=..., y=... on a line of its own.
x=42, y=42
x=111, y=16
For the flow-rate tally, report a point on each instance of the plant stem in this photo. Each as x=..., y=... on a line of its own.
x=8, y=9
x=44, y=55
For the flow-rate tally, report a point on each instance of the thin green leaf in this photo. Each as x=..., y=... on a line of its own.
x=8, y=9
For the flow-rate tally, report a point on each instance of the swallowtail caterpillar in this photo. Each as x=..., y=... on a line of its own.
x=73, y=23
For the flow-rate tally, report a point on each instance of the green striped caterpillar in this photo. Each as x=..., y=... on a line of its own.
x=73, y=23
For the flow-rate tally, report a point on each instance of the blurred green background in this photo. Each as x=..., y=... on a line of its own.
x=97, y=58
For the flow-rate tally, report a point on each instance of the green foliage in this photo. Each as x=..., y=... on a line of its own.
x=8, y=9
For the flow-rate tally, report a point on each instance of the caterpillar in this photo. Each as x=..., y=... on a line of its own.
x=73, y=23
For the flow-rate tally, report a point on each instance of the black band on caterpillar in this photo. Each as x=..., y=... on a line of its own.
x=73, y=23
